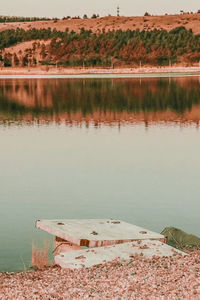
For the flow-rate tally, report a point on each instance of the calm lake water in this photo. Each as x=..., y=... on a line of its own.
x=96, y=148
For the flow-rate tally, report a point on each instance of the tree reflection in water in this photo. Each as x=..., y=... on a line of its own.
x=100, y=101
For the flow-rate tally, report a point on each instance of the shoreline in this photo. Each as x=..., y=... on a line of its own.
x=132, y=72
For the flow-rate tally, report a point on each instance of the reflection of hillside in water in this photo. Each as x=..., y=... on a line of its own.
x=100, y=100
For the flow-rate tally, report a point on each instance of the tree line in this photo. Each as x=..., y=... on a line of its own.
x=85, y=48
x=14, y=19
x=7, y=19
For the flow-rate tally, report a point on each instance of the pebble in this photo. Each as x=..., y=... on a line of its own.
x=139, y=278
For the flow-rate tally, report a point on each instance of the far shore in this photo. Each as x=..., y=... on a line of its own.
x=101, y=71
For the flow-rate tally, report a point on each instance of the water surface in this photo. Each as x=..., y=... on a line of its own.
x=96, y=148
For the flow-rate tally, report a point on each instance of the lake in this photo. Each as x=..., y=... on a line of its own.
x=124, y=148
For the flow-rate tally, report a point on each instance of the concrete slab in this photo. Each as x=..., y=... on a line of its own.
x=98, y=232
x=89, y=257
x=61, y=245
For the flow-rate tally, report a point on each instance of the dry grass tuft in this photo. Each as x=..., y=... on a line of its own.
x=40, y=256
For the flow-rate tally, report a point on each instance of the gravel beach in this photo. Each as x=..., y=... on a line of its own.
x=176, y=277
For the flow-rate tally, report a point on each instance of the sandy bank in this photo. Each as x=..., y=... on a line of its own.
x=139, y=278
x=91, y=71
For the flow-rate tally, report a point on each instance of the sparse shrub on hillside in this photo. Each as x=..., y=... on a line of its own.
x=94, y=16
x=66, y=18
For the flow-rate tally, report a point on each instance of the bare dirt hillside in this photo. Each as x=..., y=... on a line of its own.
x=168, y=22
x=26, y=46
